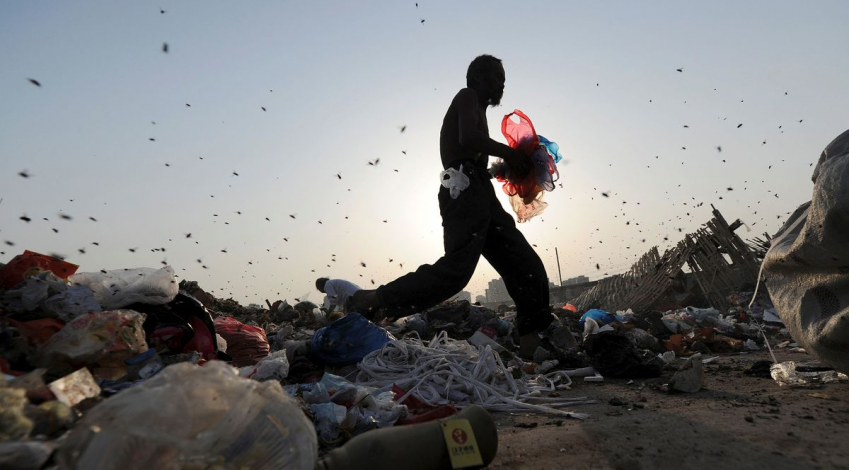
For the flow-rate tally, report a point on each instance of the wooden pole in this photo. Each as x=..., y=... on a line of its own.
x=560, y=276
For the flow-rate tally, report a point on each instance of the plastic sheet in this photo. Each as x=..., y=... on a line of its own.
x=194, y=417
x=119, y=288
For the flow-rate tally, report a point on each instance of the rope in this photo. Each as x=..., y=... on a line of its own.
x=783, y=233
x=749, y=309
x=445, y=371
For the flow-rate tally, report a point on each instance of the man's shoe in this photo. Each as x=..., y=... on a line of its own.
x=528, y=344
x=364, y=302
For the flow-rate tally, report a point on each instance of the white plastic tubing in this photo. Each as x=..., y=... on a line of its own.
x=445, y=371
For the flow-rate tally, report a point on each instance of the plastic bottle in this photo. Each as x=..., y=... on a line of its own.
x=415, y=447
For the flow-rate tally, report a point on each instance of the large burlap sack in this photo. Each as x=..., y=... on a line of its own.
x=807, y=268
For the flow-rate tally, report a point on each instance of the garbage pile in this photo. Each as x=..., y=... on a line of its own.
x=101, y=368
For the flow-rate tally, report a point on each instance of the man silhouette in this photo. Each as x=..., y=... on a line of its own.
x=474, y=223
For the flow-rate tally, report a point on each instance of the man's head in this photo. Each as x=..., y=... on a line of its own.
x=486, y=77
x=319, y=284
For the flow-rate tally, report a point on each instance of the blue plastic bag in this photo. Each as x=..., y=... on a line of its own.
x=600, y=316
x=348, y=340
x=552, y=148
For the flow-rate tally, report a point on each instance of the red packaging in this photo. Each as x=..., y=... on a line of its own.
x=30, y=263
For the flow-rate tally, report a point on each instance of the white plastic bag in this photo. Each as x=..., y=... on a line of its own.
x=455, y=180
x=53, y=294
x=274, y=367
x=786, y=374
x=668, y=357
x=123, y=287
x=328, y=417
x=35, y=290
x=189, y=416
x=222, y=343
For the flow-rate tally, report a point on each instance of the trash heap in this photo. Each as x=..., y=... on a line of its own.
x=101, y=368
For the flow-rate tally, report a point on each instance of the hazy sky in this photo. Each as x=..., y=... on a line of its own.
x=338, y=81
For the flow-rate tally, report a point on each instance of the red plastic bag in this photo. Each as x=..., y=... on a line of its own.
x=523, y=137
x=37, y=332
x=21, y=267
x=440, y=412
x=526, y=191
x=246, y=344
x=420, y=411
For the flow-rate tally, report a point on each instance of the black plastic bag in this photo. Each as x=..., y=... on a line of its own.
x=614, y=355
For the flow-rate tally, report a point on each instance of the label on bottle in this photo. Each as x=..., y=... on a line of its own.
x=462, y=445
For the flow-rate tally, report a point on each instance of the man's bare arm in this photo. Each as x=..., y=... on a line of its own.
x=470, y=136
x=477, y=141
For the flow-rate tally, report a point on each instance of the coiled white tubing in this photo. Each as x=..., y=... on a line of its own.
x=448, y=371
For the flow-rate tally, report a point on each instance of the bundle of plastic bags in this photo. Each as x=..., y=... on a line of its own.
x=191, y=417
x=526, y=191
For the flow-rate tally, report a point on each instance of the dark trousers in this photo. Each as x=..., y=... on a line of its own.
x=475, y=224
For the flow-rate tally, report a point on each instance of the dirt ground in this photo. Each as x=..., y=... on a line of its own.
x=736, y=422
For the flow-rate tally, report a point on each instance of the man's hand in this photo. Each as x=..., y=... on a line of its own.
x=518, y=163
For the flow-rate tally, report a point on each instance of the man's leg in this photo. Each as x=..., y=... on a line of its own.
x=465, y=221
x=524, y=275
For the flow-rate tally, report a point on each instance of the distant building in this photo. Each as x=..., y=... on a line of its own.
x=497, y=291
x=576, y=280
x=463, y=295
x=480, y=299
